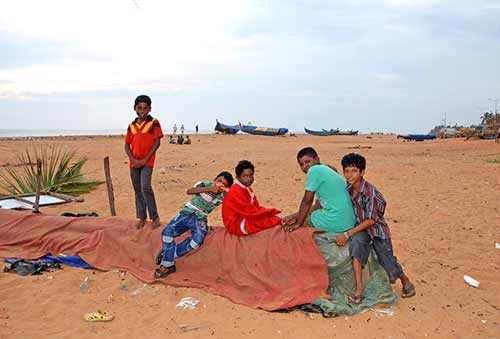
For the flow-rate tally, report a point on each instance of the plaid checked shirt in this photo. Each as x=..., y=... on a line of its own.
x=369, y=203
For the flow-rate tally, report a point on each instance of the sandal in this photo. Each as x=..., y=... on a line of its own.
x=156, y=223
x=356, y=298
x=140, y=224
x=408, y=292
x=98, y=316
x=163, y=272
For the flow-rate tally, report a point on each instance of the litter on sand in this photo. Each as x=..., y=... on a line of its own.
x=497, y=246
x=471, y=281
x=188, y=303
x=98, y=316
x=382, y=311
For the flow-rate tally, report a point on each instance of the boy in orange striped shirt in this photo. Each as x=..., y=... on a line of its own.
x=142, y=141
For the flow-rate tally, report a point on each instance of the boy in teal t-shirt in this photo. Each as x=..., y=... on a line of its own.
x=333, y=211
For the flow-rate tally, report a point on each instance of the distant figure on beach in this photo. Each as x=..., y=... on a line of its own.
x=242, y=213
x=182, y=129
x=193, y=217
x=142, y=141
x=196, y=128
x=174, y=129
x=180, y=139
x=371, y=229
x=171, y=139
x=187, y=141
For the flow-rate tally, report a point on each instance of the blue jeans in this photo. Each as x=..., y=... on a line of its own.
x=182, y=223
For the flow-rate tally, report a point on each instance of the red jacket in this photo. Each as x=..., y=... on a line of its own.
x=242, y=213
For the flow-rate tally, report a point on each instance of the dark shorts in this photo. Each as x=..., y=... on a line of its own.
x=360, y=245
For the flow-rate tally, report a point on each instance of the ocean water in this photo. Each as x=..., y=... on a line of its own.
x=4, y=133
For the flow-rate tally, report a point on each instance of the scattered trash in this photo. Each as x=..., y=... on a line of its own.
x=187, y=328
x=84, y=287
x=359, y=147
x=98, y=316
x=50, y=277
x=123, y=286
x=188, y=303
x=138, y=291
x=471, y=281
x=497, y=246
x=379, y=312
x=484, y=321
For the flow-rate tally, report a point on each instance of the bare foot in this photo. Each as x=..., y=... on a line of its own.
x=140, y=224
x=156, y=223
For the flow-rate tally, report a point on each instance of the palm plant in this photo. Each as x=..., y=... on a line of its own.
x=61, y=173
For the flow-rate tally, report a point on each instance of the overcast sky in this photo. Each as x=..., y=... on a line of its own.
x=387, y=65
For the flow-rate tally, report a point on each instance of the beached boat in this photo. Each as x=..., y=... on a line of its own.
x=351, y=132
x=226, y=129
x=417, y=137
x=322, y=133
x=263, y=130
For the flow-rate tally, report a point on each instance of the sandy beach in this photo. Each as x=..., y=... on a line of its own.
x=443, y=210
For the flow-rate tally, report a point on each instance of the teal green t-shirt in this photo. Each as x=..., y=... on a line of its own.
x=336, y=213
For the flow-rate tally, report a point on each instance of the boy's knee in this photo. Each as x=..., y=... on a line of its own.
x=168, y=232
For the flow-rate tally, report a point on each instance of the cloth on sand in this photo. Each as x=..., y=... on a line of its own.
x=342, y=283
x=271, y=269
x=242, y=213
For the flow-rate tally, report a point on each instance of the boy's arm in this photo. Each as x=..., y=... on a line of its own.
x=129, y=154
x=153, y=149
x=342, y=238
x=207, y=189
x=305, y=207
x=292, y=218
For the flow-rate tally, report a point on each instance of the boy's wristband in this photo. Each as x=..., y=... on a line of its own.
x=346, y=235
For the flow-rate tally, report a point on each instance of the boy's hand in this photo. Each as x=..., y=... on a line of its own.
x=289, y=220
x=214, y=189
x=340, y=240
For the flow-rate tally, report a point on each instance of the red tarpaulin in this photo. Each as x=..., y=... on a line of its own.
x=269, y=270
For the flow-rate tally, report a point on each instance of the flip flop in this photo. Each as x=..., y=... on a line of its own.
x=356, y=298
x=159, y=257
x=163, y=273
x=98, y=316
x=408, y=292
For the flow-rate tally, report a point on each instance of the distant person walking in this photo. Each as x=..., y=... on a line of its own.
x=196, y=129
x=174, y=129
x=182, y=129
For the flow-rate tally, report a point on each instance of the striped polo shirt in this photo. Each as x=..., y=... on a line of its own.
x=203, y=203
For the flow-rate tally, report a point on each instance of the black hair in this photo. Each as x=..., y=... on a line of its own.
x=243, y=165
x=307, y=151
x=142, y=98
x=354, y=160
x=228, y=176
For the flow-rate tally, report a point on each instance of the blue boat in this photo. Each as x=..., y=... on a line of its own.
x=417, y=137
x=322, y=133
x=263, y=130
x=226, y=129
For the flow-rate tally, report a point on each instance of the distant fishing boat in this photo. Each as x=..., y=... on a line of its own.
x=351, y=132
x=417, y=137
x=263, y=130
x=322, y=133
x=226, y=129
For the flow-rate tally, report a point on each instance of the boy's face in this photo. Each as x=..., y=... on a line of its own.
x=353, y=174
x=221, y=182
x=246, y=177
x=307, y=162
x=142, y=109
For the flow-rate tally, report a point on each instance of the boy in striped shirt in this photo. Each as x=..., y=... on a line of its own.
x=193, y=217
x=371, y=230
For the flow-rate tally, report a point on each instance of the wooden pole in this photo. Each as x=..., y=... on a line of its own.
x=109, y=185
x=36, y=206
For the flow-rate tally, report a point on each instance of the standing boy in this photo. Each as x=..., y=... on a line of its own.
x=333, y=210
x=142, y=141
x=371, y=229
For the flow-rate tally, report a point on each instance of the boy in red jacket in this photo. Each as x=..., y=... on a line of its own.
x=242, y=213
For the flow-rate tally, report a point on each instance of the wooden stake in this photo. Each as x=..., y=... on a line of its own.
x=109, y=185
x=36, y=206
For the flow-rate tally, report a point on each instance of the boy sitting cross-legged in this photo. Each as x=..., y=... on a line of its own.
x=370, y=230
x=193, y=217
